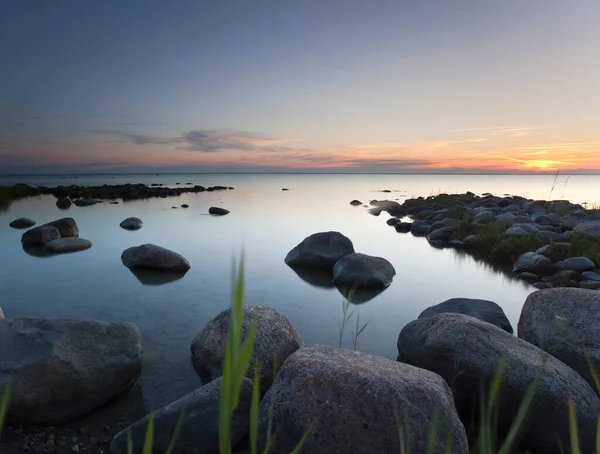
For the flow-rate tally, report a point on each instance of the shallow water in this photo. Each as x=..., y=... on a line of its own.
x=265, y=222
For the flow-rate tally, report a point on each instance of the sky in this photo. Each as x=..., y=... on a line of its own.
x=299, y=86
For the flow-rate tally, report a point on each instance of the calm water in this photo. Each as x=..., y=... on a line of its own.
x=266, y=223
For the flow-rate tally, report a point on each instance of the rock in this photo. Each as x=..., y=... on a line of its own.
x=67, y=227
x=576, y=264
x=217, y=211
x=575, y=218
x=39, y=236
x=534, y=263
x=22, y=223
x=150, y=256
x=442, y=235
x=471, y=240
x=392, y=221
x=485, y=310
x=590, y=276
x=588, y=229
x=132, y=224
x=528, y=227
x=63, y=369
x=275, y=340
x=63, y=203
x=85, y=202
x=375, y=211
x=550, y=235
x=466, y=352
x=403, y=227
x=363, y=271
x=516, y=231
x=542, y=285
x=61, y=245
x=555, y=251
x=284, y=189
x=485, y=217
x=446, y=222
x=347, y=399
x=419, y=228
x=321, y=249
x=185, y=205
x=1, y=314
x=355, y=203
x=565, y=322
x=591, y=285
x=529, y=277
x=505, y=219
x=199, y=430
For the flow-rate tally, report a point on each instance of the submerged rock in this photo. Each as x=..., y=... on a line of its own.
x=199, y=429
x=403, y=227
x=467, y=352
x=63, y=369
x=39, y=236
x=154, y=257
x=322, y=249
x=131, y=224
x=275, y=340
x=348, y=400
x=565, y=322
x=85, y=202
x=61, y=245
x=484, y=310
x=363, y=271
x=356, y=203
x=218, y=211
x=22, y=223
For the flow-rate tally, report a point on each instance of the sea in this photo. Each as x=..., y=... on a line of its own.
x=264, y=224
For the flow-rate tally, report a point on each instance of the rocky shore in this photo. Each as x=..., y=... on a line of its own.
x=552, y=243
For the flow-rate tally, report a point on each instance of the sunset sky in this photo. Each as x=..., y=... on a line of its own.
x=279, y=86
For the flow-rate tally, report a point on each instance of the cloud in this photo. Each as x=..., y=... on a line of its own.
x=143, y=139
x=511, y=131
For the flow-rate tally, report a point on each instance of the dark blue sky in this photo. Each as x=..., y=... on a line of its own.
x=341, y=84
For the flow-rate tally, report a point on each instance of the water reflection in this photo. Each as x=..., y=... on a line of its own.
x=317, y=277
x=38, y=251
x=360, y=296
x=151, y=277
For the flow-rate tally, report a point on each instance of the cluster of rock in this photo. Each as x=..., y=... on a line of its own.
x=334, y=253
x=552, y=233
x=58, y=236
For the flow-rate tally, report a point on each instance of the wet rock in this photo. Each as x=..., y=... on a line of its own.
x=131, y=224
x=73, y=244
x=39, y=236
x=403, y=227
x=63, y=203
x=565, y=322
x=363, y=271
x=63, y=369
x=356, y=203
x=534, y=263
x=529, y=277
x=67, y=227
x=392, y=221
x=419, y=228
x=485, y=310
x=576, y=263
x=347, y=399
x=442, y=235
x=22, y=223
x=275, y=340
x=199, y=430
x=85, y=202
x=321, y=249
x=185, y=205
x=218, y=211
x=466, y=352
x=150, y=256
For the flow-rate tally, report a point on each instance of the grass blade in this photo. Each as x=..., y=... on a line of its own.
x=298, y=447
x=129, y=441
x=149, y=438
x=432, y=434
x=573, y=435
x=4, y=404
x=243, y=361
x=178, y=427
x=254, y=405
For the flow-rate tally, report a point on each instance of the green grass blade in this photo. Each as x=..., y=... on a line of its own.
x=449, y=441
x=298, y=447
x=573, y=435
x=254, y=406
x=149, y=438
x=178, y=427
x=243, y=362
x=4, y=404
x=129, y=441
x=432, y=434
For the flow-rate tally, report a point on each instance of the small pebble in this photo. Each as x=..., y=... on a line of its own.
x=75, y=448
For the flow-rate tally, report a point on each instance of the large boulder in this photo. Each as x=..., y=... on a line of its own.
x=590, y=275
x=218, y=211
x=363, y=271
x=275, y=340
x=556, y=251
x=150, y=256
x=63, y=203
x=73, y=244
x=22, y=223
x=565, y=322
x=357, y=403
x=442, y=235
x=131, y=224
x=67, y=227
x=199, y=429
x=576, y=264
x=419, y=228
x=467, y=353
x=485, y=310
x=534, y=263
x=62, y=369
x=39, y=236
x=321, y=249
x=588, y=229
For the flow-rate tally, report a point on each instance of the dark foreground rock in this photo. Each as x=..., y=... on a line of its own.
x=67, y=227
x=467, y=353
x=275, y=340
x=485, y=310
x=218, y=211
x=321, y=249
x=355, y=403
x=565, y=322
x=131, y=224
x=199, y=430
x=150, y=256
x=363, y=271
x=22, y=223
x=63, y=203
x=62, y=245
x=62, y=369
x=39, y=236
